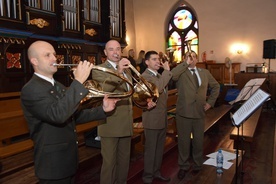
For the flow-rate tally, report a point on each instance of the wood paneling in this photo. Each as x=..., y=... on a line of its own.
x=83, y=37
x=222, y=73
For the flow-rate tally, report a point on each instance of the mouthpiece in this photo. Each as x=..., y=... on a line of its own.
x=56, y=64
x=116, y=56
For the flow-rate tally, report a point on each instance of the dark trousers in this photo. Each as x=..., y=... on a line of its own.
x=186, y=126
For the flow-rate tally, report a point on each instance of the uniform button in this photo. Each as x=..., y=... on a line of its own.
x=77, y=142
x=52, y=92
x=75, y=130
x=81, y=94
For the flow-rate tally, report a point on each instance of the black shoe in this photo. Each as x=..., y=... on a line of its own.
x=161, y=178
x=181, y=174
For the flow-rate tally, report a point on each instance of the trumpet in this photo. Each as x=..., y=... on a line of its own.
x=189, y=42
x=58, y=64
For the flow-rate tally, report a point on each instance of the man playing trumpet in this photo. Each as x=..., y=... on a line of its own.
x=50, y=110
x=116, y=130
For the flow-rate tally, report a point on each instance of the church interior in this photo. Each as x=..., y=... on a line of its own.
x=234, y=40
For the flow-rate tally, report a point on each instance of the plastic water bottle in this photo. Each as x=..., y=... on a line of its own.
x=219, y=162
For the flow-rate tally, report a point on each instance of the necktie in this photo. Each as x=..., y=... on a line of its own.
x=126, y=85
x=195, y=77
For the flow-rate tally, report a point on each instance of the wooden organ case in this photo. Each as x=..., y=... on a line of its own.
x=77, y=29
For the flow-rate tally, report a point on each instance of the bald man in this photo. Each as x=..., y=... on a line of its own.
x=116, y=130
x=49, y=108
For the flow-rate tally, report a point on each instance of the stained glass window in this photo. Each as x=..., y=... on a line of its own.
x=182, y=29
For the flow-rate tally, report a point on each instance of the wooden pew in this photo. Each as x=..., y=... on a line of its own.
x=172, y=98
x=16, y=155
x=171, y=108
x=13, y=125
x=246, y=132
x=213, y=115
x=16, y=147
x=137, y=117
x=171, y=102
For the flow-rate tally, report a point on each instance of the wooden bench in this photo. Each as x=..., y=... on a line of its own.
x=213, y=115
x=17, y=154
x=171, y=108
x=16, y=147
x=14, y=131
x=171, y=103
x=246, y=132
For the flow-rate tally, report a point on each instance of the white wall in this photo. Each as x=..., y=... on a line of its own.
x=130, y=27
x=221, y=24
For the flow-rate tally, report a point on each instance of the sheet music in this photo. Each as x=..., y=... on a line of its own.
x=249, y=88
x=249, y=106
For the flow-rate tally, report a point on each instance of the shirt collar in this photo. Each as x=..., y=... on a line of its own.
x=51, y=80
x=192, y=68
x=112, y=64
x=152, y=71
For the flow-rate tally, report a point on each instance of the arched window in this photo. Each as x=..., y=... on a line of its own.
x=182, y=29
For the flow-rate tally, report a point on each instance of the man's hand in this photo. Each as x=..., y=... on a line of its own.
x=123, y=63
x=165, y=65
x=151, y=104
x=189, y=60
x=109, y=104
x=207, y=106
x=82, y=71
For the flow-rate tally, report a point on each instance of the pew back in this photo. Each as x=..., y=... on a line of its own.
x=14, y=131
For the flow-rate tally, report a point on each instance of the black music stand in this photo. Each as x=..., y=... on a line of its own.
x=246, y=92
x=249, y=88
x=243, y=113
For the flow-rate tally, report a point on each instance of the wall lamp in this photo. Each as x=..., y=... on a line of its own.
x=239, y=48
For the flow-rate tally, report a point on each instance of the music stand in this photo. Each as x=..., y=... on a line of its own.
x=246, y=92
x=249, y=88
x=244, y=112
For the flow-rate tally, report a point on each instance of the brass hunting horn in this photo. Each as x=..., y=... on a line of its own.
x=143, y=90
x=96, y=93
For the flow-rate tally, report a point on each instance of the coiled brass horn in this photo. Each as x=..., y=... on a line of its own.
x=96, y=93
x=143, y=91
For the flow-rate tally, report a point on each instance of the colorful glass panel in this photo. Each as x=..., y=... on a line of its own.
x=183, y=19
x=183, y=27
